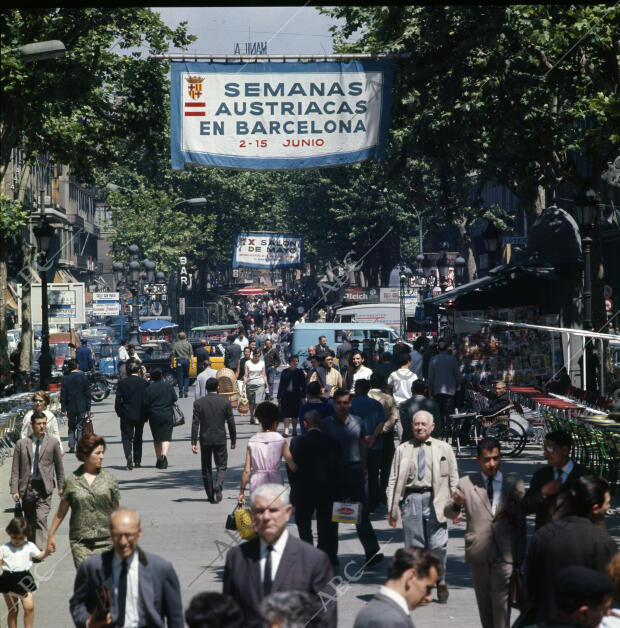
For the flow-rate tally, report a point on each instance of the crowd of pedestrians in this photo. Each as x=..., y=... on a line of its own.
x=366, y=437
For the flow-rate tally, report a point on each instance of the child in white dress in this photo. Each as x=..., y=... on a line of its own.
x=16, y=581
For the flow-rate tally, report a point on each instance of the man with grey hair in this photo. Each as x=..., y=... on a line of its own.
x=422, y=480
x=143, y=587
x=275, y=561
x=293, y=609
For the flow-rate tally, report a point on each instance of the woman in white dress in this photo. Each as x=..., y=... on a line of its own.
x=254, y=382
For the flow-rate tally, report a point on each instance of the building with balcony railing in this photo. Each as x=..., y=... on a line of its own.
x=70, y=206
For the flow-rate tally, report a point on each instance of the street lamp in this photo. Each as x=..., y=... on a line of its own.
x=44, y=234
x=459, y=270
x=132, y=275
x=586, y=213
x=443, y=265
x=52, y=49
x=403, y=318
x=491, y=240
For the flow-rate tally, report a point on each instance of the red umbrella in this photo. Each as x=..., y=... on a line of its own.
x=250, y=291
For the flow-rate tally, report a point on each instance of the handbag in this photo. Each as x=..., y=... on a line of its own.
x=178, y=417
x=104, y=602
x=19, y=510
x=87, y=428
x=240, y=520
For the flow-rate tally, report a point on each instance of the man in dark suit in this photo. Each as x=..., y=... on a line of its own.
x=202, y=354
x=572, y=540
x=312, y=487
x=84, y=357
x=211, y=413
x=74, y=401
x=412, y=575
x=232, y=354
x=276, y=561
x=495, y=535
x=35, y=460
x=549, y=482
x=144, y=587
x=128, y=406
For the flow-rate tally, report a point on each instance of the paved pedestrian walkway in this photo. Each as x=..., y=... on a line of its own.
x=179, y=524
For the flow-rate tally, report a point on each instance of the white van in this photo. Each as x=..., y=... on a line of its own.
x=378, y=338
x=375, y=314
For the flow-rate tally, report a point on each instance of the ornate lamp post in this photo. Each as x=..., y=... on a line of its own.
x=587, y=213
x=491, y=239
x=44, y=233
x=443, y=266
x=132, y=276
x=459, y=270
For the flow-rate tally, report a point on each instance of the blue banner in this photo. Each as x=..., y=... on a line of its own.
x=278, y=116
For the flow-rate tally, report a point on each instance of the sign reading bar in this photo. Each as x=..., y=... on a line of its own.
x=268, y=250
x=277, y=116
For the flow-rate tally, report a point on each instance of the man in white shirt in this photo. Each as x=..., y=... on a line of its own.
x=241, y=339
x=123, y=356
x=399, y=382
x=282, y=561
x=144, y=587
x=412, y=575
x=495, y=532
x=201, y=380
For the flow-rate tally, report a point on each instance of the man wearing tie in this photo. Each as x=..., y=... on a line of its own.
x=422, y=479
x=144, y=588
x=276, y=561
x=495, y=535
x=37, y=457
x=549, y=482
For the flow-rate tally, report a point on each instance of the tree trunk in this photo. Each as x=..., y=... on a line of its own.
x=468, y=251
x=26, y=306
x=5, y=367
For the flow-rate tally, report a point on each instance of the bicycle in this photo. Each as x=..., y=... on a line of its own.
x=468, y=429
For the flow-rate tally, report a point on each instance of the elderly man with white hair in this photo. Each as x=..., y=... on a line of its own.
x=422, y=480
x=276, y=561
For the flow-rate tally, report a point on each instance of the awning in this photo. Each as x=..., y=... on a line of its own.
x=64, y=276
x=250, y=291
x=472, y=286
x=564, y=330
x=157, y=325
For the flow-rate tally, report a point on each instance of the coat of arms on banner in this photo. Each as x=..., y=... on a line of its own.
x=194, y=87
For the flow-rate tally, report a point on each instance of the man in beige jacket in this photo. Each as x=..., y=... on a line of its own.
x=422, y=479
x=495, y=535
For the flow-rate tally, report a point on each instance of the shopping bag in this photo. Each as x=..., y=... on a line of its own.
x=178, y=417
x=88, y=428
x=347, y=512
x=244, y=523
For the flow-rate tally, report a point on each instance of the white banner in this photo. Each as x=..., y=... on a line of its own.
x=279, y=115
x=268, y=250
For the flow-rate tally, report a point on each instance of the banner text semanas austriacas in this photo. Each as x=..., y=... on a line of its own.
x=272, y=116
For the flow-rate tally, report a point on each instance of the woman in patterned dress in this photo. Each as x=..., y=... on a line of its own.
x=92, y=494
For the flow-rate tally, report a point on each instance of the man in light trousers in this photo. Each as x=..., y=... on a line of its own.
x=422, y=480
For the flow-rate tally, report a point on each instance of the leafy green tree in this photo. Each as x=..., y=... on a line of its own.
x=529, y=101
x=95, y=107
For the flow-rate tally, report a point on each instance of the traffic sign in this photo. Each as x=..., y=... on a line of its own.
x=609, y=306
x=608, y=291
x=106, y=296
